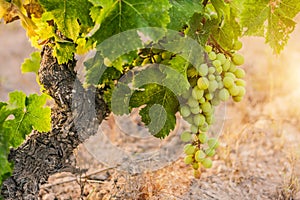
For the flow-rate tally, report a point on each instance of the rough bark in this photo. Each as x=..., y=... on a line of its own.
x=75, y=116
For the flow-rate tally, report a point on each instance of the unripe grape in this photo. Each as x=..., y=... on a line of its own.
x=194, y=128
x=237, y=45
x=197, y=93
x=199, y=120
x=232, y=68
x=195, y=166
x=156, y=50
x=213, y=85
x=224, y=94
x=207, y=163
x=240, y=82
x=203, y=69
x=212, y=55
x=218, y=78
x=239, y=73
x=156, y=59
x=204, y=127
x=195, y=110
x=209, y=96
x=213, y=143
x=197, y=174
x=199, y=156
x=166, y=55
x=189, y=149
x=217, y=63
x=228, y=81
x=210, y=119
x=226, y=65
x=237, y=98
x=202, y=100
x=220, y=85
x=211, y=77
x=202, y=137
x=215, y=102
x=211, y=70
x=202, y=83
x=185, y=111
x=238, y=59
x=188, y=159
x=146, y=61
x=229, y=74
x=219, y=70
x=107, y=62
x=186, y=94
x=186, y=136
x=210, y=152
x=206, y=107
x=242, y=91
x=221, y=57
x=208, y=48
x=214, y=15
x=234, y=90
x=192, y=102
x=189, y=119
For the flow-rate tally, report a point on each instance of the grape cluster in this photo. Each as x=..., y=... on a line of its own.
x=213, y=82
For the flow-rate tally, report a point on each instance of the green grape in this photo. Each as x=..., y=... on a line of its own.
x=213, y=85
x=234, y=90
x=211, y=70
x=217, y=63
x=215, y=102
x=195, y=165
x=237, y=98
x=197, y=173
x=213, y=143
x=199, y=120
x=219, y=70
x=239, y=73
x=212, y=55
x=238, y=59
x=192, y=102
x=166, y=55
x=208, y=48
x=156, y=59
x=218, y=78
x=194, y=128
x=156, y=50
x=107, y=62
x=209, y=96
x=226, y=65
x=204, y=127
x=229, y=74
x=232, y=68
x=224, y=94
x=186, y=136
x=206, y=163
x=202, y=100
x=199, y=156
x=210, y=152
x=202, y=83
x=228, y=81
x=195, y=110
x=206, y=107
x=210, y=119
x=240, y=82
x=220, y=85
x=188, y=159
x=203, y=69
x=221, y=57
x=190, y=119
x=237, y=45
x=197, y=93
x=185, y=111
x=146, y=61
x=214, y=15
x=242, y=91
x=211, y=77
x=202, y=138
x=186, y=94
x=189, y=149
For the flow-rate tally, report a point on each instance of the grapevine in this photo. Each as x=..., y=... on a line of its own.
x=181, y=55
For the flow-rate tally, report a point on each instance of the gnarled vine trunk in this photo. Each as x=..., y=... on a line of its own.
x=44, y=154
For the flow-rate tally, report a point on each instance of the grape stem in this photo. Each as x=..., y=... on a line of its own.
x=221, y=49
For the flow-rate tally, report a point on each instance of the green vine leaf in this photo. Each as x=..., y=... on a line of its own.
x=278, y=16
x=118, y=16
x=32, y=64
x=182, y=11
x=71, y=17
